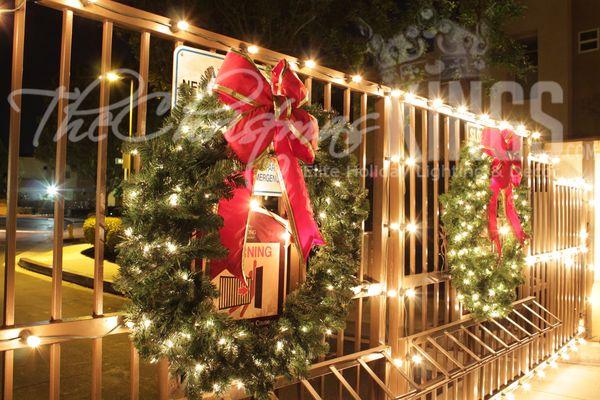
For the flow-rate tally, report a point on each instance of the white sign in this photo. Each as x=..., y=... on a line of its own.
x=190, y=64
x=266, y=181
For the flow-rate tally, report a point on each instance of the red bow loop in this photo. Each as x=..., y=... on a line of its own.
x=504, y=147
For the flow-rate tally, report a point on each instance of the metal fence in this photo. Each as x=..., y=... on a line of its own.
x=409, y=309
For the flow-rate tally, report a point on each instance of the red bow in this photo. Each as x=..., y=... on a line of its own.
x=504, y=147
x=269, y=114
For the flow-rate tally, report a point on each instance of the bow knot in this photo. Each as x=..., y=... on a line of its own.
x=504, y=147
x=269, y=114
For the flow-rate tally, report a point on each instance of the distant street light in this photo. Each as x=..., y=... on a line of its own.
x=51, y=190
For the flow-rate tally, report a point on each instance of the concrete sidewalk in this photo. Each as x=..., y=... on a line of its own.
x=77, y=268
x=576, y=379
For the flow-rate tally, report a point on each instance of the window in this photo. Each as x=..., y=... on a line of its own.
x=588, y=41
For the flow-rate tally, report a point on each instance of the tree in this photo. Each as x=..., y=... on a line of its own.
x=335, y=31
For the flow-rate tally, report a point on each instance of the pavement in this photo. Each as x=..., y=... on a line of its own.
x=576, y=379
x=33, y=293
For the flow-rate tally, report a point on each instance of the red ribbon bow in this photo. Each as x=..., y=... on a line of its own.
x=269, y=114
x=504, y=147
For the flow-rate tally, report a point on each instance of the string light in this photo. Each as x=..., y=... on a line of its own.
x=417, y=359
x=410, y=293
x=356, y=78
x=310, y=63
x=410, y=162
x=254, y=204
x=252, y=49
x=411, y=227
x=396, y=92
x=437, y=103
x=181, y=25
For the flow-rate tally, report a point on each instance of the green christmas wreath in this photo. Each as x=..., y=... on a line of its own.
x=486, y=282
x=186, y=170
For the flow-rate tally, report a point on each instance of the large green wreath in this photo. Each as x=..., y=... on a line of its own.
x=185, y=173
x=486, y=283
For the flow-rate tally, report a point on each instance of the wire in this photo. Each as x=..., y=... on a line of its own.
x=12, y=10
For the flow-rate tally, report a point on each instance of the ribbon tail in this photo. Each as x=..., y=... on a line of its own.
x=493, y=219
x=235, y=213
x=512, y=216
x=303, y=222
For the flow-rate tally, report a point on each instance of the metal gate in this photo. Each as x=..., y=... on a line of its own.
x=407, y=335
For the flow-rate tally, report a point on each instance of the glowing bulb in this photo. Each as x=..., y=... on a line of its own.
x=356, y=78
x=397, y=362
x=310, y=63
x=392, y=293
x=395, y=158
x=328, y=332
x=33, y=341
x=183, y=25
x=437, y=103
x=526, y=386
x=484, y=117
x=410, y=293
x=541, y=374
x=417, y=359
x=171, y=247
x=254, y=204
x=396, y=93
x=252, y=49
x=52, y=190
x=129, y=232
x=410, y=162
x=536, y=135
x=173, y=199
x=462, y=109
x=504, y=230
x=411, y=228
x=285, y=236
x=394, y=226
x=134, y=152
x=112, y=76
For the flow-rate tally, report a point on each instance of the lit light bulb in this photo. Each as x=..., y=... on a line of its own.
x=409, y=97
x=395, y=158
x=173, y=199
x=52, y=190
x=526, y=386
x=183, y=25
x=310, y=63
x=356, y=78
x=252, y=49
x=437, y=103
x=171, y=247
x=411, y=227
x=536, y=135
x=410, y=293
x=33, y=341
x=392, y=293
x=461, y=109
x=417, y=359
x=396, y=92
x=254, y=204
x=398, y=362
x=394, y=226
x=285, y=236
x=410, y=162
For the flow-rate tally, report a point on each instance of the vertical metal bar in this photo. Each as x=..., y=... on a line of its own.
x=8, y=315
x=142, y=103
x=436, y=211
x=61, y=160
x=107, y=32
x=163, y=379
x=395, y=273
x=96, y=369
x=308, y=85
x=346, y=105
x=363, y=247
x=327, y=96
x=59, y=201
x=424, y=211
x=134, y=372
x=412, y=183
x=380, y=219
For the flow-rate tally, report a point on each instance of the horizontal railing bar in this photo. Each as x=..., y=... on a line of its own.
x=61, y=331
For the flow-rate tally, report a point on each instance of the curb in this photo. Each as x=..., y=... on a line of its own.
x=85, y=281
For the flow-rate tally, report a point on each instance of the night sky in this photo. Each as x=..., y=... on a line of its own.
x=41, y=65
